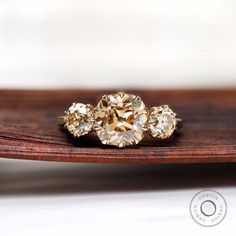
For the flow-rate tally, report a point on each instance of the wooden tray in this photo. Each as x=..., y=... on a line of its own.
x=28, y=128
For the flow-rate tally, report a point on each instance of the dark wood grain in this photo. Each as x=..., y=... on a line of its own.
x=28, y=128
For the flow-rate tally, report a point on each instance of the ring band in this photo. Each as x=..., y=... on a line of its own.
x=120, y=120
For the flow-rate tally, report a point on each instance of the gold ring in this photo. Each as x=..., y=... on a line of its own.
x=120, y=120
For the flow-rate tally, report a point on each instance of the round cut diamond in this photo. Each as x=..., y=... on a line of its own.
x=120, y=119
x=161, y=122
x=79, y=119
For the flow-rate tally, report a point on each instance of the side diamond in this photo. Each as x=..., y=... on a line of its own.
x=161, y=122
x=79, y=119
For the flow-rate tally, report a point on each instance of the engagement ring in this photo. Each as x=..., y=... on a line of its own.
x=120, y=120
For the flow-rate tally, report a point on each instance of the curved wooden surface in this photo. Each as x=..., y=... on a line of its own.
x=28, y=128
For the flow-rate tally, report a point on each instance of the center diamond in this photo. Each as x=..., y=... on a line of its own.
x=120, y=119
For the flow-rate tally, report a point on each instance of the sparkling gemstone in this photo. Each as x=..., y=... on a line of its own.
x=161, y=122
x=120, y=119
x=79, y=119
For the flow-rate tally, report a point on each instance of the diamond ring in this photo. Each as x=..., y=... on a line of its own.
x=120, y=120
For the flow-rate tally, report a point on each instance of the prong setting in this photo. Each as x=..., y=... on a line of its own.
x=162, y=122
x=120, y=120
x=79, y=119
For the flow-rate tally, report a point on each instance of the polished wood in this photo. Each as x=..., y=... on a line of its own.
x=28, y=128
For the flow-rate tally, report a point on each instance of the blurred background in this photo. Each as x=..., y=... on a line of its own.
x=113, y=44
x=126, y=43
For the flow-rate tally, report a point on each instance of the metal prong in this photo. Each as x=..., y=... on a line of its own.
x=61, y=120
x=179, y=123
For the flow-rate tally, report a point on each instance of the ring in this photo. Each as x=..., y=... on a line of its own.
x=120, y=120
